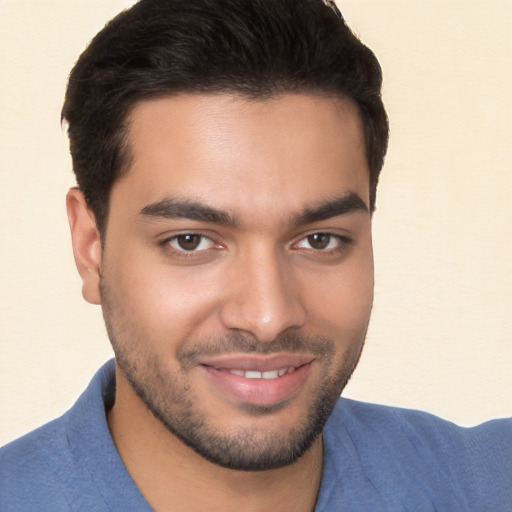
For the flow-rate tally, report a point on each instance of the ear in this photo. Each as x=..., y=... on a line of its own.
x=86, y=244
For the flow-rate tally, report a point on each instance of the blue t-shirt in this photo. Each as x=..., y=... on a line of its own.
x=376, y=458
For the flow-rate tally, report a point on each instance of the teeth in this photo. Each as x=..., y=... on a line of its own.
x=252, y=375
x=271, y=374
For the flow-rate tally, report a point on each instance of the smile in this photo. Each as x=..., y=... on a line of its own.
x=269, y=374
x=258, y=380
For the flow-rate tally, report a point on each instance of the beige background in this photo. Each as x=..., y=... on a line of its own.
x=440, y=338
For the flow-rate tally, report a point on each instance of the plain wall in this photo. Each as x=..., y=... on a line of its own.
x=440, y=337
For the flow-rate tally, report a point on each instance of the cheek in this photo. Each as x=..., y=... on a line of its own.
x=164, y=304
x=343, y=301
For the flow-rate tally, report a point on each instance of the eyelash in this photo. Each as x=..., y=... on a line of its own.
x=341, y=245
x=342, y=242
x=183, y=253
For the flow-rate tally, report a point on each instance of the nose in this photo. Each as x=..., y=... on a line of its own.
x=262, y=296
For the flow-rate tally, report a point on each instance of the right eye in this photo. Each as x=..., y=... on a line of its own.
x=190, y=243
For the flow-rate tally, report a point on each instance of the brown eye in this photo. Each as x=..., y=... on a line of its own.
x=319, y=240
x=190, y=242
x=325, y=243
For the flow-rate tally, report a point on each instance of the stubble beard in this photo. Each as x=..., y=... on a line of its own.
x=169, y=397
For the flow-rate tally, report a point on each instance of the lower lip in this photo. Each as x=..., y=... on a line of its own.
x=263, y=392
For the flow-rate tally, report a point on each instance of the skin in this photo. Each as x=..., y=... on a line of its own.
x=255, y=289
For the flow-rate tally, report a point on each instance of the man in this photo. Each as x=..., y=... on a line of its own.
x=227, y=155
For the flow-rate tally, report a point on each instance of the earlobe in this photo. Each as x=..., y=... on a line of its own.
x=86, y=244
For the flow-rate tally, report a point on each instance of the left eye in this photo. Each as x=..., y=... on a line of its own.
x=190, y=242
x=319, y=242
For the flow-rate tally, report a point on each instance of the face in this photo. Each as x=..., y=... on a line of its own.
x=237, y=271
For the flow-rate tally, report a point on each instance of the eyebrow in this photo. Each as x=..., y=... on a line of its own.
x=172, y=208
x=342, y=205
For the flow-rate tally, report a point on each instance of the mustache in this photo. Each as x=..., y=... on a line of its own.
x=239, y=343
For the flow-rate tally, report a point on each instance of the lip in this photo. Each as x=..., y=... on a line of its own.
x=255, y=362
x=262, y=392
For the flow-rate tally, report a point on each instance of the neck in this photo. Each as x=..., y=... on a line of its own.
x=171, y=476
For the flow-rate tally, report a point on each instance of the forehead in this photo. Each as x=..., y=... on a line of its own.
x=230, y=151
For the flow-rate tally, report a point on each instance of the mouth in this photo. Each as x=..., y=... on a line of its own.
x=255, y=374
x=258, y=380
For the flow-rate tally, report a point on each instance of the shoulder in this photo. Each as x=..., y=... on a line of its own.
x=41, y=456
x=401, y=455
x=406, y=430
x=395, y=422
x=46, y=469
x=377, y=415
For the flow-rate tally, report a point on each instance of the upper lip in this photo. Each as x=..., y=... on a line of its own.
x=255, y=362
